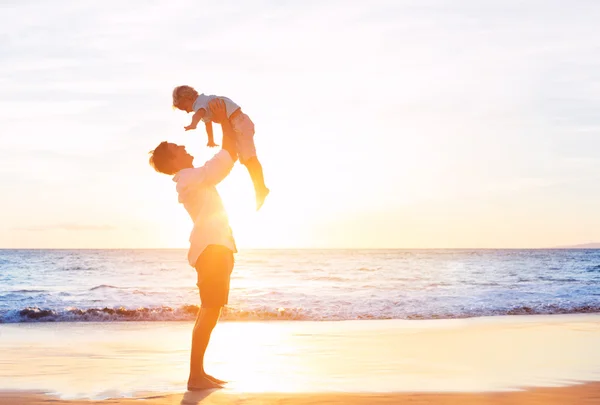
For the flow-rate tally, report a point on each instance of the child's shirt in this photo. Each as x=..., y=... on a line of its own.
x=202, y=102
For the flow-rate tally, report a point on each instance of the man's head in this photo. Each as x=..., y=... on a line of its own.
x=169, y=158
x=184, y=98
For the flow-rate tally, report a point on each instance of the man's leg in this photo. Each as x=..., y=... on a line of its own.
x=205, y=323
x=214, y=267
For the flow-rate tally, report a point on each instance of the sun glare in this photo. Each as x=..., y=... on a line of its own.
x=279, y=224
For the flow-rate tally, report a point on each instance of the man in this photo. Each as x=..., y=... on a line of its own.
x=211, y=242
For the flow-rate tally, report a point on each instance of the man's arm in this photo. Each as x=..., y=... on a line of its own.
x=216, y=169
x=219, y=114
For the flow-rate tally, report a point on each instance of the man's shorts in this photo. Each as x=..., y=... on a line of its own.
x=244, y=136
x=214, y=267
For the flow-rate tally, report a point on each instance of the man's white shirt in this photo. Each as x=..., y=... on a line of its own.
x=199, y=196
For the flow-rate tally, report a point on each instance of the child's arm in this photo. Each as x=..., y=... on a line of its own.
x=209, y=131
x=198, y=115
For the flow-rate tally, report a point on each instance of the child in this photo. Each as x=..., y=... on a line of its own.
x=186, y=98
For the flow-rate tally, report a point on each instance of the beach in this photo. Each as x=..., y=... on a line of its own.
x=385, y=202
x=581, y=394
x=511, y=359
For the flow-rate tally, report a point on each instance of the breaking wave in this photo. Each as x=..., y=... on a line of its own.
x=188, y=313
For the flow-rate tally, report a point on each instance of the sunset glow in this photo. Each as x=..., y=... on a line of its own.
x=382, y=125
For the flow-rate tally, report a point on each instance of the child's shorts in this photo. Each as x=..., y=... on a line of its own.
x=244, y=134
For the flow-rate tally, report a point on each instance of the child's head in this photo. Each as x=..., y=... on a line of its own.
x=184, y=98
x=169, y=158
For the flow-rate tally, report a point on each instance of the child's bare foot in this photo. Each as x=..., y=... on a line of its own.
x=214, y=379
x=202, y=384
x=260, y=197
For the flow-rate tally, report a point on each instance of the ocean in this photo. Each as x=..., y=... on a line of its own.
x=320, y=285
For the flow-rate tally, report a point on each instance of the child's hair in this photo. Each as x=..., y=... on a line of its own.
x=183, y=92
x=160, y=159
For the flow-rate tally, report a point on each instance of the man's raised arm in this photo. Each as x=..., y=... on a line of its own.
x=219, y=114
x=217, y=168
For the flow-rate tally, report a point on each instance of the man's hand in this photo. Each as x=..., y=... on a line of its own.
x=217, y=108
x=211, y=144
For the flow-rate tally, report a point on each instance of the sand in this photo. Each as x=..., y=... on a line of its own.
x=496, y=360
x=586, y=394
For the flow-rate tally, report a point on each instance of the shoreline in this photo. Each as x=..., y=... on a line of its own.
x=583, y=394
x=187, y=313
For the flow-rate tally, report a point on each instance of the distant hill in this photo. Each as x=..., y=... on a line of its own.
x=594, y=245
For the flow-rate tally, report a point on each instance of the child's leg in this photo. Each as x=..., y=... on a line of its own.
x=244, y=129
x=256, y=173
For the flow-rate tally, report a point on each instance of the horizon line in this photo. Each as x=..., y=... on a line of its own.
x=569, y=247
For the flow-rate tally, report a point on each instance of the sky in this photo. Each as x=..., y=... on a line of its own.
x=380, y=124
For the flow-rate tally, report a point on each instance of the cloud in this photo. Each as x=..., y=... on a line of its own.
x=66, y=227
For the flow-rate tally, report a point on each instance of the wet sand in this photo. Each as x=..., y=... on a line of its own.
x=586, y=394
x=496, y=360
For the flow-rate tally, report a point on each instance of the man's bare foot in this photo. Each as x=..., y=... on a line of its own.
x=202, y=384
x=260, y=197
x=214, y=379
